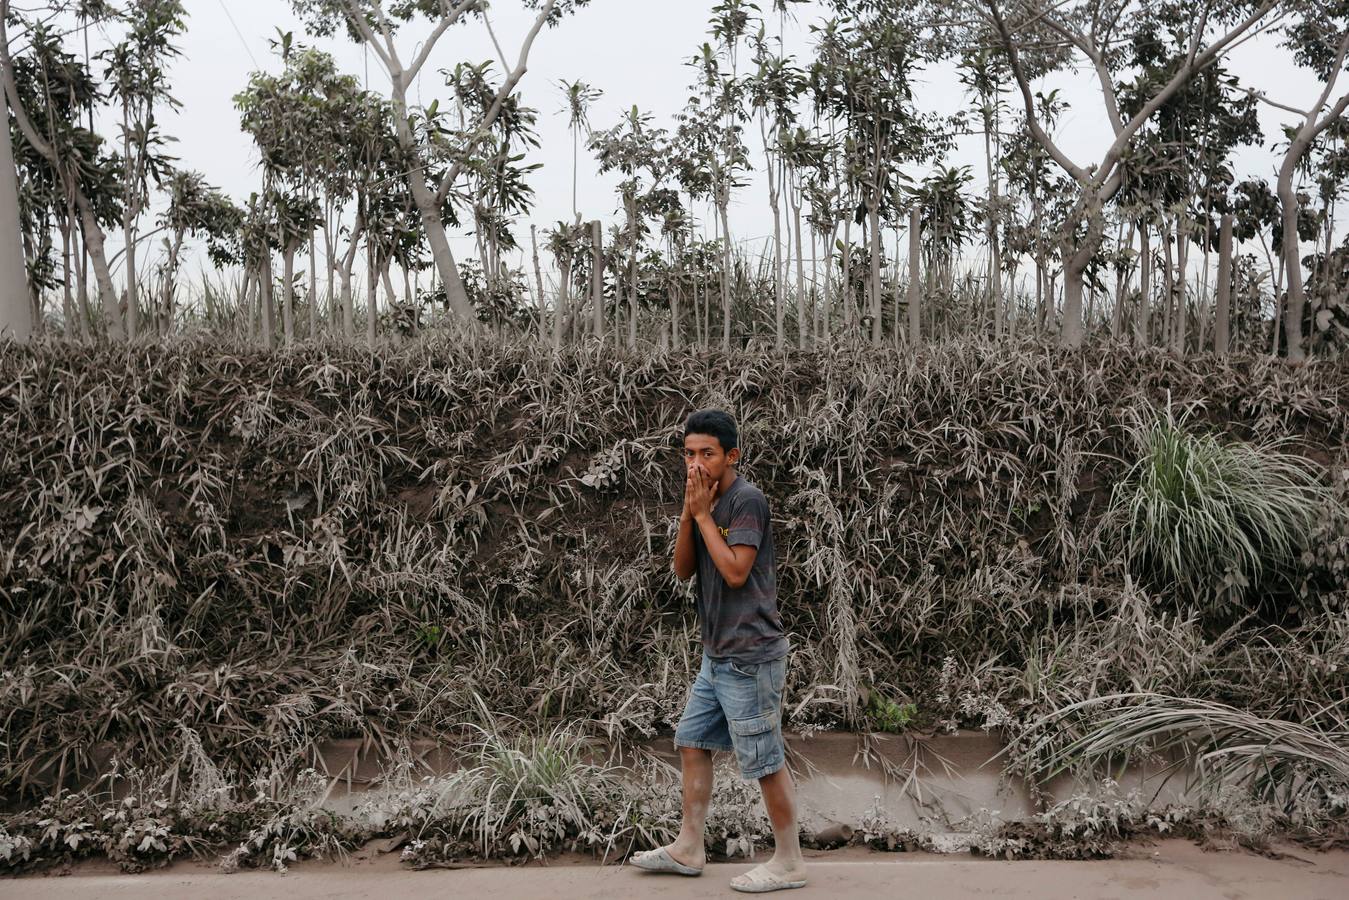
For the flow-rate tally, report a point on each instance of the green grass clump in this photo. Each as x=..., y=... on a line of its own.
x=1213, y=518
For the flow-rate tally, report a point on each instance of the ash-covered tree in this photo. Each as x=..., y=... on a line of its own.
x=1318, y=38
x=377, y=25
x=195, y=209
x=294, y=119
x=51, y=94
x=1038, y=37
x=1176, y=172
x=641, y=154
x=137, y=74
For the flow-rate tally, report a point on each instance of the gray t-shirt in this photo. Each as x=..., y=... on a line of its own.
x=740, y=623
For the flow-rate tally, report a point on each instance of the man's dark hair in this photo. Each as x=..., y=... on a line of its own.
x=718, y=424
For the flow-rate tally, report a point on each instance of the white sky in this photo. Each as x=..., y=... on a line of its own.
x=632, y=50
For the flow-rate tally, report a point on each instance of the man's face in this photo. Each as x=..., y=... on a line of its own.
x=704, y=451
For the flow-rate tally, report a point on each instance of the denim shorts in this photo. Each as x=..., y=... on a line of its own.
x=737, y=706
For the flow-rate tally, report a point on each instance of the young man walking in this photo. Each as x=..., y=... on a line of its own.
x=736, y=700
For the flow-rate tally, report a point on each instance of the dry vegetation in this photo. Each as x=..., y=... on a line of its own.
x=204, y=542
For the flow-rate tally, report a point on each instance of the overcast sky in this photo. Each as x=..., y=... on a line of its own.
x=633, y=50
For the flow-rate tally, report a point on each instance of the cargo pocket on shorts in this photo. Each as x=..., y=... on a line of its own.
x=751, y=739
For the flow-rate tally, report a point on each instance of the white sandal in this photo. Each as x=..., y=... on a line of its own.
x=660, y=860
x=761, y=881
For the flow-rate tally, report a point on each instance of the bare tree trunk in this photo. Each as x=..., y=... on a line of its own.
x=632, y=273
x=266, y=303
x=1178, y=332
x=1076, y=256
x=348, y=320
x=874, y=217
x=82, y=280
x=313, y=285
x=129, y=211
x=330, y=256
x=676, y=338
x=1121, y=279
x=725, y=274
x=896, y=326
x=1222, y=338
x=1041, y=302
x=67, y=300
x=994, y=250
x=1167, y=338
x=774, y=192
x=15, y=319
x=171, y=281
x=245, y=306
x=538, y=282
x=1142, y=325
x=802, y=322
x=345, y=267
x=597, y=277
x=846, y=289
x=697, y=313
x=826, y=314
x=93, y=242
x=288, y=292
x=915, y=277
x=371, y=294
x=815, y=324
x=1292, y=251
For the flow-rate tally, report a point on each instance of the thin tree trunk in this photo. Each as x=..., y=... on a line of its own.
x=802, y=322
x=846, y=288
x=348, y=320
x=267, y=303
x=1179, y=324
x=1121, y=277
x=915, y=277
x=67, y=300
x=130, y=210
x=815, y=290
x=1167, y=337
x=82, y=280
x=632, y=273
x=171, y=281
x=1143, y=322
x=1222, y=338
x=994, y=251
x=874, y=226
x=313, y=284
x=676, y=339
x=371, y=294
x=725, y=275
x=93, y=242
x=245, y=307
x=597, y=277
x=538, y=282
x=288, y=292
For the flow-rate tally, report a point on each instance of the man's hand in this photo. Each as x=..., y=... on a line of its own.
x=698, y=489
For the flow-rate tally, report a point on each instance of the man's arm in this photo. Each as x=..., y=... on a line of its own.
x=685, y=555
x=734, y=562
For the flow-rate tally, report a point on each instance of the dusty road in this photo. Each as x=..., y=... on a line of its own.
x=1169, y=869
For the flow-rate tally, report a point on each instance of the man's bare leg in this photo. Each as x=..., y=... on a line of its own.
x=696, y=768
x=779, y=797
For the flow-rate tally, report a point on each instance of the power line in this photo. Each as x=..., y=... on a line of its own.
x=226, y=10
